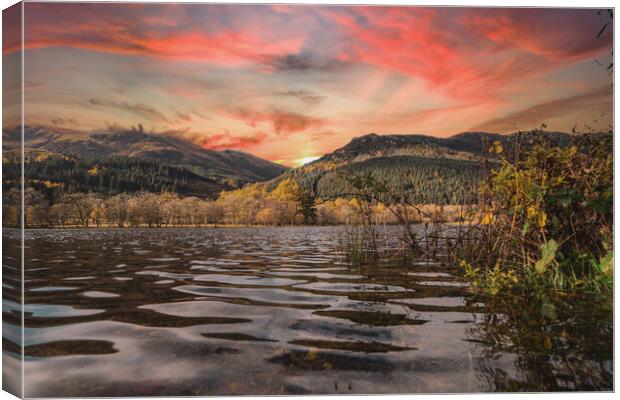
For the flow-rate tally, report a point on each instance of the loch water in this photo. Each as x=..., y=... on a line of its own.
x=215, y=311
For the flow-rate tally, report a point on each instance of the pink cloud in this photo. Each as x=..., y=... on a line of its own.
x=556, y=35
x=282, y=122
x=469, y=52
x=340, y=69
x=222, y=141
x=153, y=31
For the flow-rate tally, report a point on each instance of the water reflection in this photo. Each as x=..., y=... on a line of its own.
x=276, y=311
x=11, y=312
x=561, y=343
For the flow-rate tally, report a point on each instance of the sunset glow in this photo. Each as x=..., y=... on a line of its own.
x=305, y=160
x=271, y=79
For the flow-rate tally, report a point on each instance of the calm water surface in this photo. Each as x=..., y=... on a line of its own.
x=277, y=311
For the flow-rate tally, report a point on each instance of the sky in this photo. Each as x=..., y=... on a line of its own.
x=290, y=83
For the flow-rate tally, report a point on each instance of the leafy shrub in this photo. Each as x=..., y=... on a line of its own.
x=548, y=213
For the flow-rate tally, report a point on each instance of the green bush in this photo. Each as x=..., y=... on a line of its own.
x=547, y=214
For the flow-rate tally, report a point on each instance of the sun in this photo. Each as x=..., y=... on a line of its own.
x=305, y=160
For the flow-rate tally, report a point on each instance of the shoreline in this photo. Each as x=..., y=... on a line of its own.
x=223, y=226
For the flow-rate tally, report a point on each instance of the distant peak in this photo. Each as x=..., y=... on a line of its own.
x=365, y=137
x=472, y=133
x=233, y=151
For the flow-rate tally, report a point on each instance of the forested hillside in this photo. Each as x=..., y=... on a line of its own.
x=144, y=176
x=427, y=181
x=228, y=168
x=428, y=170
x=54, y=174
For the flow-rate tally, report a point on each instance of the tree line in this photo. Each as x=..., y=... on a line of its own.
x=286, y=204
x=424, y=180
x=55, y=175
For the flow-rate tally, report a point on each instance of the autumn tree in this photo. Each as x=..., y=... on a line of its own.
x=36, y=208
x=116, y=210
x=288, y=193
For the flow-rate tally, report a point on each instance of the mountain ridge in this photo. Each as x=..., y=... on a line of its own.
x=434, y=170
x=440, y=170
x=226, y=166
x=464, y=145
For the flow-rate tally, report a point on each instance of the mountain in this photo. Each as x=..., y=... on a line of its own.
x=219, y=165
x=153, y=162
x=432, y=170
x=464, y=146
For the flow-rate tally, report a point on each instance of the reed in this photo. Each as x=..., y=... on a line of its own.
x=544, y=219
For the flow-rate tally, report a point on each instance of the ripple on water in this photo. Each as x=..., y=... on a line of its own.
x=444, y=283
x=69, y=348
x=99, y=294
x=435, y=301
x=50, y=310
x=141, y=252
x=371, y=318
x=350, y=287
x=243, y=337
x=164, y=259
x=277, y=305
x=245, y=280
x=79, y=278
x=360, y=347
x=275, y=297
x=52, y=289
x=302, y=268
x=164, y=281
x=221, y=262
x=431, y=274
x=314, y=275
x=173, y=275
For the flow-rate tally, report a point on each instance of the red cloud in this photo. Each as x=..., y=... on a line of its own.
x=226, y=48
x=477, y=57
x=11, y=30
x=556, y=35
x=222, y=141
x=468, y=52
x=402, y=40
x=282, y=122
x=160, y=31
x=461, y=50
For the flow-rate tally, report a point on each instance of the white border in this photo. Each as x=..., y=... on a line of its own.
x=474, y=3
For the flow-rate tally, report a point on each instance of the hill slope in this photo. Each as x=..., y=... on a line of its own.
x=432, y=170
x=465, y=146
x=153, y=162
